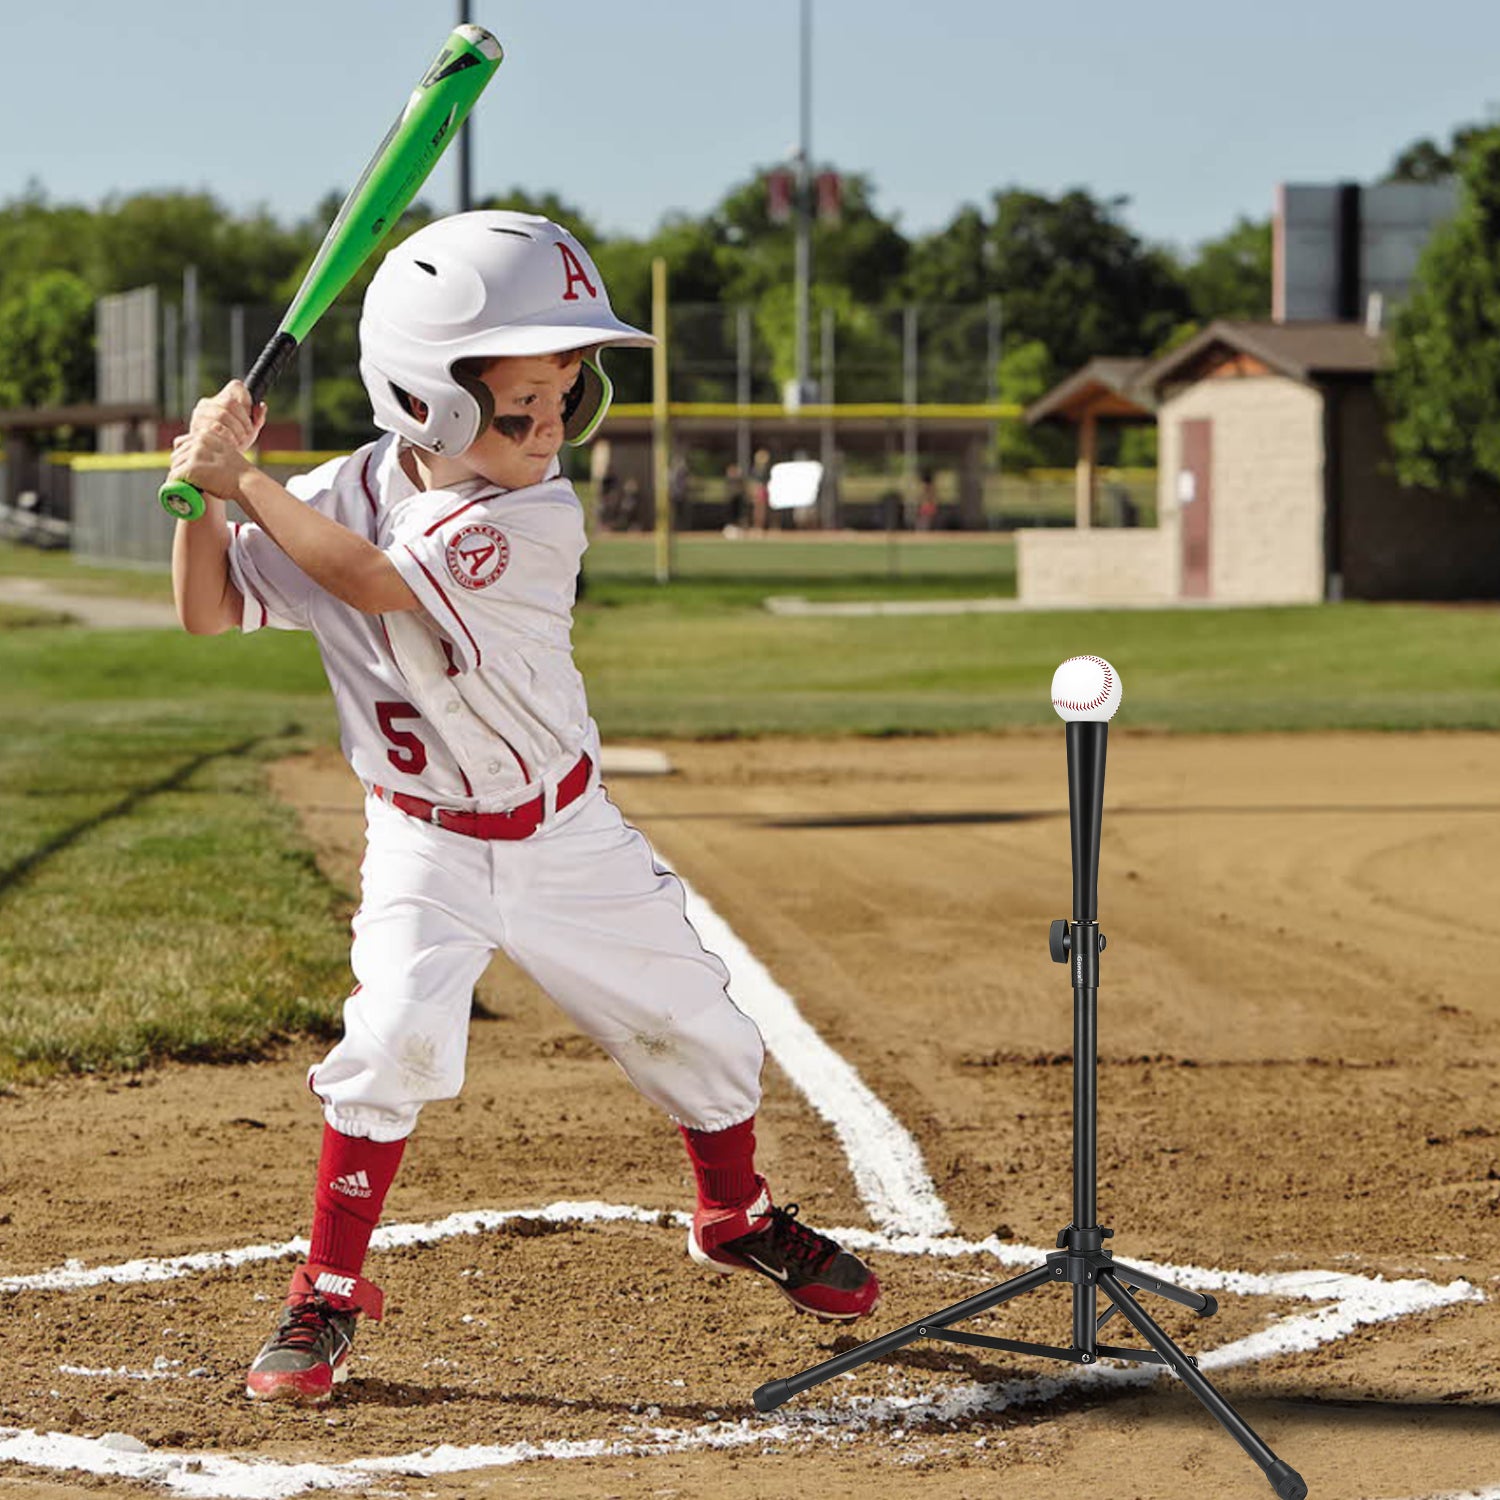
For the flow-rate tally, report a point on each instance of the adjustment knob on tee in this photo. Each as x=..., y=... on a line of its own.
x=1059, y=941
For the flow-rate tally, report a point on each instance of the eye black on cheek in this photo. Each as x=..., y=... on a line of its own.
x=513, y=427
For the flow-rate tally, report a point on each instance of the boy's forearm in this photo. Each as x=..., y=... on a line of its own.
x=201, y=587
x=344, y=563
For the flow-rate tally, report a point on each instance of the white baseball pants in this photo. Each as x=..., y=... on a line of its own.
x=584, y=909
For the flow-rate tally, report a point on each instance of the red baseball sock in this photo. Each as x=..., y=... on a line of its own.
x=724, y=1164
x=354, y=1175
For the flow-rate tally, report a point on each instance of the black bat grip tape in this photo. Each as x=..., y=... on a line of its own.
x=266, y=370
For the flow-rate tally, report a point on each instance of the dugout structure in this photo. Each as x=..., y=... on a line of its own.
x=36, y=483
x=903, y=438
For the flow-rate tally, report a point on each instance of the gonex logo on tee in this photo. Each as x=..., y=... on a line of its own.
x=477, y=556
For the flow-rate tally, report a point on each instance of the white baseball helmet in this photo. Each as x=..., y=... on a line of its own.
x=479, y=285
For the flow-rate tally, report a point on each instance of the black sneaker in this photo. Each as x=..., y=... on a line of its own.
x=814, y=1273
x=307, y=1354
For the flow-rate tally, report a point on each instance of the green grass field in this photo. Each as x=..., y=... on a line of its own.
x=747, y=672
x=742, y=570
x=24, y=616
x=59, y=568
x=155, y=903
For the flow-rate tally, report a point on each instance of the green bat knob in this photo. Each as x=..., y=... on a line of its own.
x=181, y=499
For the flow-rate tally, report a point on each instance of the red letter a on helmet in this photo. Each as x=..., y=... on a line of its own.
x=576, y=274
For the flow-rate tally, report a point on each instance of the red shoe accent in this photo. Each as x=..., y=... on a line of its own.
x=309, y=1387
x=342, y=1292
x=715, y=1227
x=814, y=1273
x=307, y=1353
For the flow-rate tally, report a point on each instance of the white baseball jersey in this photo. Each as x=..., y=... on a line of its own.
x=473, y=704
x=480, y=709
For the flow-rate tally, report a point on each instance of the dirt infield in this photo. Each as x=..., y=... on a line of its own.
x=1300, y=1062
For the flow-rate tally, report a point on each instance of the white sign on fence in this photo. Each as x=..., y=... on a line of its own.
x=794, y=485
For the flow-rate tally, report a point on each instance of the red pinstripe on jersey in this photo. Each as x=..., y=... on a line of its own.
x=427, y=573
x=453, y=515
x=364, y=479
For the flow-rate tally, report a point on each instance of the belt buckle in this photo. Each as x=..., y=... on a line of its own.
x=435, y=817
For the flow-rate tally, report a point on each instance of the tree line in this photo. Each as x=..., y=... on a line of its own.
x=1443, y=390
x=1071, y=278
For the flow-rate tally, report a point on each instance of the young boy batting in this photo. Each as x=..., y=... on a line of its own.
x=437, y=569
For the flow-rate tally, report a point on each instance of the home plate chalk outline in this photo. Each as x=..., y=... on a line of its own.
x=902, y=1201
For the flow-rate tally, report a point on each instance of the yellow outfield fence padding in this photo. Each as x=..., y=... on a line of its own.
x=291, y=459
x=91, y=463
x=116, y=462
x=766, y=410
x=762, y=411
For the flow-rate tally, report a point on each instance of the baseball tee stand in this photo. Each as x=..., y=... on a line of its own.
x=1081, y=1261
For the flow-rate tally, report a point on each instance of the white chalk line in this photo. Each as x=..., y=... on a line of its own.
x=162, y=1369
x=1493, y=1494
x=215, y=1476
x=74, y=1276
x=889, y=1173
x=1346, y=1302
x=893, y=1183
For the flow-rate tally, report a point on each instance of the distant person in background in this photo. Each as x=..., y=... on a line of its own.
x=679, y=492
x=892, y=510
x=736, y=501
x=760, y=488
x=1127, y=512
x=605, y=486
x=630, y=505
x=608, y=512
x=927, y=502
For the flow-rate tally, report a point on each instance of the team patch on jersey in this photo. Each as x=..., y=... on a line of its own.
x=477, y=556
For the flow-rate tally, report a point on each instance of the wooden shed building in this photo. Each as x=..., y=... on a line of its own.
x=1275, y=486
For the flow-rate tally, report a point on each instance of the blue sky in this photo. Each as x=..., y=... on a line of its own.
x=1191, y=110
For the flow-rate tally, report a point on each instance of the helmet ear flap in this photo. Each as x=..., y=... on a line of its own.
x=484, y=399
x=587, y=403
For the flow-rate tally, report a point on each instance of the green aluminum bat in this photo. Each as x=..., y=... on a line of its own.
x=399, y=167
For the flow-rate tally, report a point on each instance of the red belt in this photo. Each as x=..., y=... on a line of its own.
x=516, y=823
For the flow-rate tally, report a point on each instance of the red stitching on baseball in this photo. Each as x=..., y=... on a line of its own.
x=1103, y=697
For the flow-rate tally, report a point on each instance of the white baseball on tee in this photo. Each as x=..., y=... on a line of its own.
x=1086, y=688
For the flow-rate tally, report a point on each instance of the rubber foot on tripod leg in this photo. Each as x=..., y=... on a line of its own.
x=769, y=1396
x=1209, y=1308
x=1286, y=1481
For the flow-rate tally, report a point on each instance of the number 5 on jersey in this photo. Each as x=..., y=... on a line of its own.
x=410, y=754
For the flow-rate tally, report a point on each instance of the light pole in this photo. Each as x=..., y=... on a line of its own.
x=465, y=161
x=804, y=209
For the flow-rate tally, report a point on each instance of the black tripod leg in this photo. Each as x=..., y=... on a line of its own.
x=1200, y=1302
x=1285, y=1480
x=769, y=1396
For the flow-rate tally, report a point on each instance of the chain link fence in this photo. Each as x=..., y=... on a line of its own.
x=901, y=410
x=718, y=354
